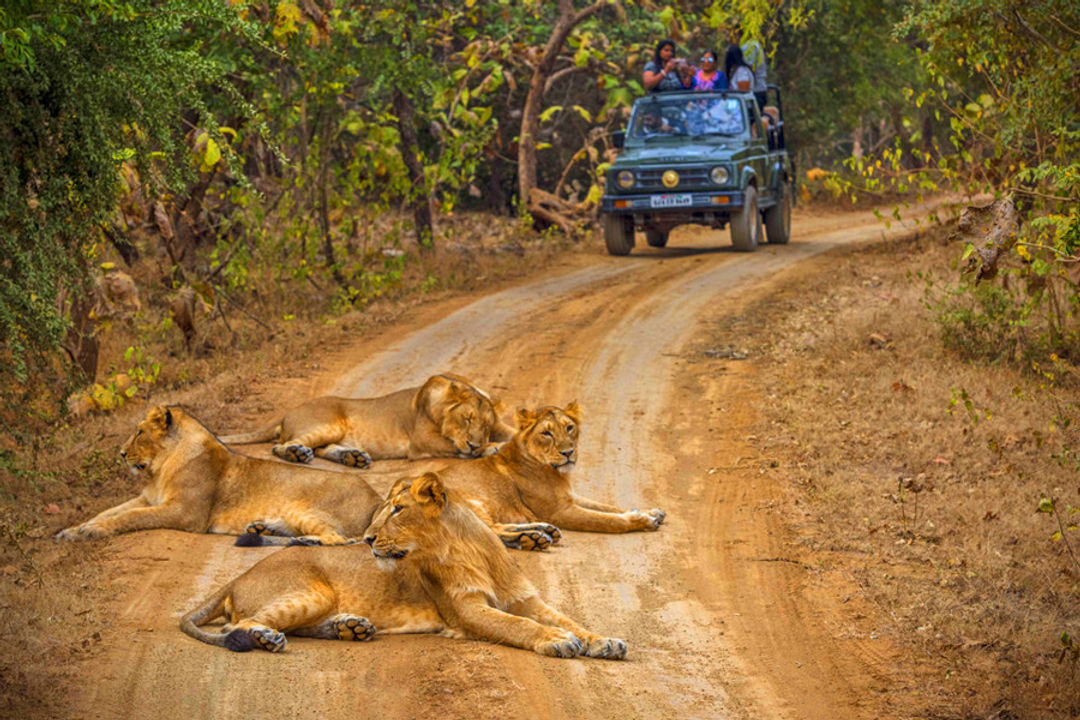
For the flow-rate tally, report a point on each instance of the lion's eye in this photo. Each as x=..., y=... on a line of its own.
x=569, y=428
x=547, y=433
x=397, y=509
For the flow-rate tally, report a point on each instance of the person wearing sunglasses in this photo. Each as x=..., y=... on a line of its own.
x=708, y=76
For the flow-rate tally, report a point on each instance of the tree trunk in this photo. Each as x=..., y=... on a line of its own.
x=410, y=154
x=530, y=116
x=322, y=178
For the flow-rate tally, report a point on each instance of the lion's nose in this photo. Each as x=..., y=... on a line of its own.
x=123, y=453
x=567, y=453
x=370, y=540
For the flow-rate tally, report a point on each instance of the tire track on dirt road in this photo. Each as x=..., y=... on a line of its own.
x=612, y=335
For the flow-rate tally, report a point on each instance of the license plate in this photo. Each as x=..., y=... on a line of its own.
x=682, y=200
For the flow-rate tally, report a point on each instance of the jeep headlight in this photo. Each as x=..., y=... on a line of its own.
x=625, y=178
x=719, y=175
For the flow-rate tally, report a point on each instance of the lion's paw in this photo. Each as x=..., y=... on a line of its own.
x=354, y=458
x=552, y=531
x=562, y=644
x=257, y=528
x=352, y=627
x=295, y=452
x=86, y=531
x=657, y=515
x=606, y=648
x=255, y=637
x=491, y=449
x=528, y=540
x=648, y=520
x=307, y=540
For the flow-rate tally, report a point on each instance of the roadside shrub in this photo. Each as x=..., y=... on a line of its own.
x=982, y=321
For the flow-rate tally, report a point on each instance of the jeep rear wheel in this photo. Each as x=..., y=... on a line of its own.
x=656, y=238
x=746, y=223
x=778, y=219
x=618, y=234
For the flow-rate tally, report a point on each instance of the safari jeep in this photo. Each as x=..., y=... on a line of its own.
x=706, y=158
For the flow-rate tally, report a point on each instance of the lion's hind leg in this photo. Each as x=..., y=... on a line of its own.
x=347, y=456
x=303, y=447
x=265, y=629
x=343, y=626
x=528, y=536
x=297, y=528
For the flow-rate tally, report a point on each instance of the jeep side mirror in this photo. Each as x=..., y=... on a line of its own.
x=618, y=138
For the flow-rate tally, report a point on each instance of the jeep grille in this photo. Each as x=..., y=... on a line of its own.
x=650, y=179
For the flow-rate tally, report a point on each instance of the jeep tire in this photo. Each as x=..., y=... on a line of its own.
x=656, y=238
x=778, y=219
x=746, y=223
x=618, y=234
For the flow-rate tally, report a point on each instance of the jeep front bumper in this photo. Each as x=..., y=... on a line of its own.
x=675, y=203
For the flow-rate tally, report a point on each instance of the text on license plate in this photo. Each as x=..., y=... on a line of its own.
x=672, y=200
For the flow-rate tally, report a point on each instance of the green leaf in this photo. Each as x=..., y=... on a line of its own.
x=548, y=112
x=1046, y=505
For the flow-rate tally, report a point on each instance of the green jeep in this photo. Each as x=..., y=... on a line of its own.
x=700, y=157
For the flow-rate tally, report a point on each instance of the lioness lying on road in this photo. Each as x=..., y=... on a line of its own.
x=195, y=483
x=446, y=572
x=525, y=486
x=447, y=416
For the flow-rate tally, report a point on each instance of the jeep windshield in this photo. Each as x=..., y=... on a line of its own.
x=683, y=116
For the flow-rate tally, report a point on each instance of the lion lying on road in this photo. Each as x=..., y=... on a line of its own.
x=197, y=484
x=446, y=573
x=525, y=486
x=447, y=416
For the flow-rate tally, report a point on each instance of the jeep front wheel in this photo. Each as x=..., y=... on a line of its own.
x=618, y=234
x=746, y=223
x=778, y=219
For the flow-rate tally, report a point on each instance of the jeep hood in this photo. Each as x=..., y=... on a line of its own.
x=657, y=154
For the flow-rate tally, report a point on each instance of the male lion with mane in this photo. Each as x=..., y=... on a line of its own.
x=447, y=416
x=433, y=567
x=526, y=486
x=195, y=483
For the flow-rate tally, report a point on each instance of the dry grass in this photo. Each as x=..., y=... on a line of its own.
x=70, y=469
x=932, y=513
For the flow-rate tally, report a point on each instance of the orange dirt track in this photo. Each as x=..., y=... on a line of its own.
x=722, y=617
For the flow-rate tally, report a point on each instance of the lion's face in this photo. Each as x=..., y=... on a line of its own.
x=407, y=519
x=145, y=444
x=468, y=423
x=550, y=434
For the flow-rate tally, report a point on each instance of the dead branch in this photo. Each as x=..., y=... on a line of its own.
x=992, y=231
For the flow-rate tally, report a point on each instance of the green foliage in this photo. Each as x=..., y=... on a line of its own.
x=981, y=321
x=86, y=86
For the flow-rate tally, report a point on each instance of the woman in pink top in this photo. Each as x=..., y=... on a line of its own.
x=709, y=77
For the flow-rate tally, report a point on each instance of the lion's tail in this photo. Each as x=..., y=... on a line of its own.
x=270, y=432
x=209, y=610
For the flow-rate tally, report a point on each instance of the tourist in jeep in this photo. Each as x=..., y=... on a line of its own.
x=662, y=73
x=709, y=77
x=740, y=76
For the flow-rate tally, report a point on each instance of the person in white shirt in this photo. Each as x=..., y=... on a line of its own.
x=754, y=56
x=740, y=76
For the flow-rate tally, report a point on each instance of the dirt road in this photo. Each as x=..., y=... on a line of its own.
x=723, y=615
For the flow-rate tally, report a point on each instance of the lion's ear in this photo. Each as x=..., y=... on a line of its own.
x=524, y=418
x=428, y=490
x=160, y=418
x=573, y=411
